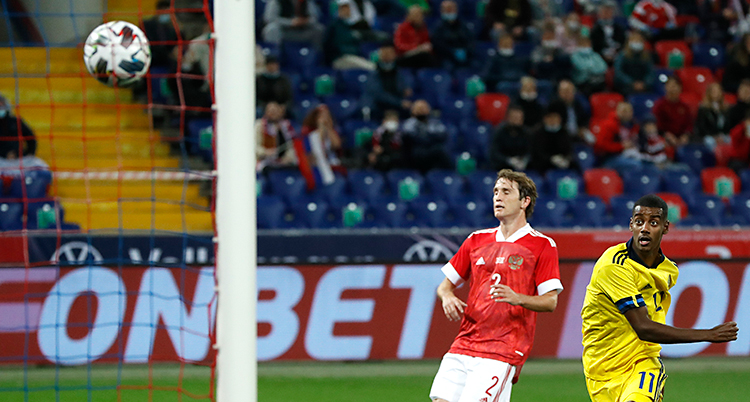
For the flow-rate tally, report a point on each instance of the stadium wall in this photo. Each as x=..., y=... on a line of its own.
x=99, y=298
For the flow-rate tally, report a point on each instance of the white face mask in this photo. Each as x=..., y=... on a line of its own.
x=636, y=46
x=505, y=52
x=528, y=95
x=391, y=125
x=747, y=130
x=549, y=44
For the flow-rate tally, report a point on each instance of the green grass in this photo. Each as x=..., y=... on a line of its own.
x=697, y=379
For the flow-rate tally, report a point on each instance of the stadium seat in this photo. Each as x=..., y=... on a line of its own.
x=314, y=214
x=683, y=182
x=482, y=183
x=710, y=207
x=269, y=49
x=744, y=175
x=288, y=184
x=555, y=177
x=434, y=84
x=300, y=57
x=695, y=79
x=696, y=156
x=642, y=104
x=445, y=184
x=603, y=183
x=550, y=212
x=538, y=179
x=431, y=213
x=524, y=48
x=604, y=103
x=476, y=138
x=545, y=89
x=390, y=213
x=350, y=129
x=473, y=212
x=343, y=107
x=367, y=184
x=510, y=88
x=661, y=78
x=664, y=47
x=584, y=156
x=588, y=211
x=32, y=184
x=270, y=210
x=491, y=107
x=485, y=51
x=692, y=100
x=303, y=105
x=713, y=180
x=352, y=82
x=637, y=183
x=740, y=206
x=674, y=200
x=708, y=54
x=51, y=208
x=11, y=216
x=457, y=110
x=621, y=207
x=396, y=176
x=333, y=190
x=460, y=77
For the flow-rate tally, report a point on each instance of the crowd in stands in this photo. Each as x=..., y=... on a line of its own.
x=533, y=85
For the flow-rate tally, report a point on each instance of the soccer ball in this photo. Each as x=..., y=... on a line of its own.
x=117, y=53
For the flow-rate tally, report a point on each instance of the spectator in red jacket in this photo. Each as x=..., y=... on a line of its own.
x=617, y=139
x=412, y=40
x=673, y=116
x=656, y=19
x=739, y=156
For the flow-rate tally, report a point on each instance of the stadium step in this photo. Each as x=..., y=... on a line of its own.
x=40, y=60
x=100, y=190
x=106, y=217
x=77, y=117
x=100, y=149
x=69, y=89
x=97, y=162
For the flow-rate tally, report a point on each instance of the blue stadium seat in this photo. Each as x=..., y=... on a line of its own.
x=524, y=48
x=388, y=23
x=460, y=77
x=546, y=90
x=744, y=175
x=510, y=88
x=482, y=183
x=708, y=54
x=661, y=78
x=343, y=107
x=38, y=209
x=485, y=51
x=350, y=128
x=304, y=105
x=473, y=212
x=314, y=214
x=299, y=57
x=270, y=49
x=456, y=110
x=194, y=128
x=270, y=212
x=11, y=215
x=390, y=212
x=477, y=137
x=642, y=104
x=710, y=207
x=588, y=211
x=288, y=184
x=445, y=184
x=584, y=156
x=352, y=82
x=622, y=209
x=432, y=213
x=334, y=190
x=697, y=156
x=550, y=212
x=683, y=182
x=367, y=184
x=553, y=178
x=434, y=84
x=33, y=182
x=397, y=175
x=539, y=182
x=641, y=181
x=740, y=206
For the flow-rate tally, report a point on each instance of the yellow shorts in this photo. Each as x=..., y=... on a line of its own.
x=644, y=383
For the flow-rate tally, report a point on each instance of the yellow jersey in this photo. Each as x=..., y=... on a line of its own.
x=621, y=281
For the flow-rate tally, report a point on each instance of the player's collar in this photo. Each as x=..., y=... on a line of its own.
x=634, y=256
x=523, y=231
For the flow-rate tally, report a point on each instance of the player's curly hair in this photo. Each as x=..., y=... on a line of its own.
x=526, y=187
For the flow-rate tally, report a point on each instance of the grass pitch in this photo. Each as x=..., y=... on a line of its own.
x=690, y=380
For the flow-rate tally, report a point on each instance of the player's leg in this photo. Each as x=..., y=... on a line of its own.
x=603, y=391
x=450, y=379
x=488, y=381
x=646, y=382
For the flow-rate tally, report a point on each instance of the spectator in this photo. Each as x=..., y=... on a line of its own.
x=656, y=19
x=385, y=151
x=549, y=61
x=387, y=88
x=528, y=100
x=545, y=10
x=425, y=140
x=568, y=32
x=607, y=35
x=17, y=143
x=673, y=116
x=738, y=67
x=652, y=147
x=617, y=140
x=197, y=62
x=716, y=17
x=634, y=67
x=739, y=110
x=423, y=4
x=260, y=61
x=506, y=65
x=739, y=155
x=362, y=19
x=273, y=86
x=711, y=126
x=324, y=147
x=454, y=42
x=274, y=138
x=389, y=8
x=511, y=142
x=552, y=148
x=342, y=42
x=589, y=68
x=162, y=35
x=293, y=20
x=507, y=17
x=412, y=40
x=574, y=116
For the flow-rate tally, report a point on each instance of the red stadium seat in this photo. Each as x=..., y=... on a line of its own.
x=604, y=103
x=604, y=183
x=675, y=199
x=683, y=20
x=693, y=101
x=710, y=176
x=665, y=47
x=491, y=107
x=695, y=79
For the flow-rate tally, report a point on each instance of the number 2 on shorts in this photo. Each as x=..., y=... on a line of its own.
x=494, y=377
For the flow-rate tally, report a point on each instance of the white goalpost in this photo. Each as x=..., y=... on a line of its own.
x=236, y=329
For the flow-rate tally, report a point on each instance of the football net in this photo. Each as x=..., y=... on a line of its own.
x=107, y=285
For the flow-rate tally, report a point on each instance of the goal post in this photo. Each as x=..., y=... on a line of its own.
x=236, y=328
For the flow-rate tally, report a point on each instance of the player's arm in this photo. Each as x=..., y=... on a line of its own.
x=651, y=331
x=544, y=303
x=453, y=307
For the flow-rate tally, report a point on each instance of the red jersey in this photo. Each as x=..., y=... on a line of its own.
x=527, y=263
x=653, y=14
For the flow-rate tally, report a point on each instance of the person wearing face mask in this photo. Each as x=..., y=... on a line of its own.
x=161, y=33
x=412, y=40
x=607, y=35
x=575, y=116
x=634, y=67
x=568, y=31
x=528, y=100
x=17, y=141
x=739, y=155
x=506, y=65
x=387, y=88
x=342, y=42
x=425, y=140
x=711, y=127
x=588, y=68
x=549, y=61
x=385, y=151
x=273, y=86
x=507, y=17
x=510, y=146
x=452, y=39
x=552, y=148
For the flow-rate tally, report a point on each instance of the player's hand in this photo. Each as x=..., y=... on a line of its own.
x=725, y=332
x=453, y=307
x=504, y=294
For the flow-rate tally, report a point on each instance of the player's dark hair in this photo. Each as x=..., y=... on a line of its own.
x=652, y=201
x=526, y=187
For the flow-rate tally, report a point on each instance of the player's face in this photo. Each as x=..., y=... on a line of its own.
x=505, y=199
x=648, y=225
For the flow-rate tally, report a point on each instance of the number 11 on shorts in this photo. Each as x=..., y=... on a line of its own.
x=643, y=380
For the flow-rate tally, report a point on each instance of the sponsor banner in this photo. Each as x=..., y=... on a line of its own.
x=74, y=315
